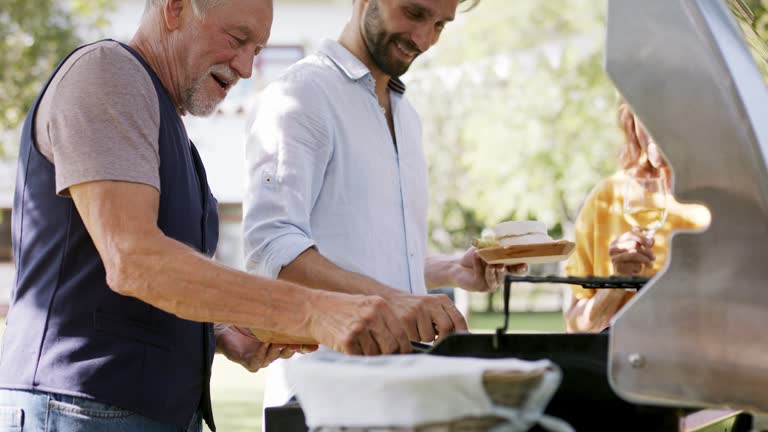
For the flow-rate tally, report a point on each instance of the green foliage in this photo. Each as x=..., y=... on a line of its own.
x=759, y=8
x=34, y=36
x=519, y=118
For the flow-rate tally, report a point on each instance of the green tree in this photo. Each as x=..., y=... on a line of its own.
x=519, y=117
x=34, y=36
x=759, y=9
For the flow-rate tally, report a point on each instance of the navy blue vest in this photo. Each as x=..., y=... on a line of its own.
x=67, y=331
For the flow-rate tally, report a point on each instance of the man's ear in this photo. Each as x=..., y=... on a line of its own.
x=172, y=13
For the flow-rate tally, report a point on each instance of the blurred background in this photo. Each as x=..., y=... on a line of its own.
x=519, y=121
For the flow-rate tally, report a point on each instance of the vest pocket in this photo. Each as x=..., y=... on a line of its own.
x=137, y=331
x=11, y=419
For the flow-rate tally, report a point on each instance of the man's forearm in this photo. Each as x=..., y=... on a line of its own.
x=422, y=316
x=171, y=276
x=313, y=270
x=439, y=271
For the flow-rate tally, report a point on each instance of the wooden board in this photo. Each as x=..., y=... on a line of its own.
x=279, y=338
x=538, y=253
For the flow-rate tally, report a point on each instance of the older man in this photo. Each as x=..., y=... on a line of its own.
x=338, y=179
x=114, y=225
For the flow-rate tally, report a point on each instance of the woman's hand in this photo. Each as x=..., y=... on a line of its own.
x=630, y=253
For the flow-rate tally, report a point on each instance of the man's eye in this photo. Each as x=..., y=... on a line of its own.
x=236, y=41
x=414, y=15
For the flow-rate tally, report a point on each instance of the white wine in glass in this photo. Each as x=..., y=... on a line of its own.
x=645, y=204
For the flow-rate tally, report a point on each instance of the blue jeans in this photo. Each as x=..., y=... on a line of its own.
x=31, y=411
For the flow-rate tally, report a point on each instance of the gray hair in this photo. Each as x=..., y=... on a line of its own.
x=199, y=7
x=472, y=4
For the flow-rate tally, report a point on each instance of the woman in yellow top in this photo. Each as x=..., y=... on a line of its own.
x=605, y=242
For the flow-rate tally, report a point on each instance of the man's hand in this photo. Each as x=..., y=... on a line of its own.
x=240, y=346
x=356, y=324
x=630, y=253
x=474, y=274
x=426, y=317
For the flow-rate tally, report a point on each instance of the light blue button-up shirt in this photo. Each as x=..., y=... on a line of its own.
x=323, y=171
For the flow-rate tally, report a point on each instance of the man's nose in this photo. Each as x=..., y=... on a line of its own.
x=424, y=37
x=243, y=63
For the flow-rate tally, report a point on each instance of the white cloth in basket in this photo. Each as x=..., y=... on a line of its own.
x=402, y=391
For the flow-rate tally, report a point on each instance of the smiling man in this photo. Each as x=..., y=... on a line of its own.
x=337, y=176
x=109, y=327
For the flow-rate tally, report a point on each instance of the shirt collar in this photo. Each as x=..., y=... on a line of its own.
x=351, y=65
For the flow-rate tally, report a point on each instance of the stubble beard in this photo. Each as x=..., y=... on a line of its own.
x=200, y=102
x=377, y=41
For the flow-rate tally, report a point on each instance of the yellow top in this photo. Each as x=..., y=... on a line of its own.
x=601, y=220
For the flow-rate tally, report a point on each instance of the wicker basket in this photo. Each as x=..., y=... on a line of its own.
x=505, y=388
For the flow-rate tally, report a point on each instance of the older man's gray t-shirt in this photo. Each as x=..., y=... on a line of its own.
x=100, y=119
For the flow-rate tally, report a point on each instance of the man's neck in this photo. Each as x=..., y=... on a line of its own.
x=158, y=55
x=352, y=40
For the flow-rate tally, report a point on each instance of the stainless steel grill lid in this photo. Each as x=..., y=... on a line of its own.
x=696, y=334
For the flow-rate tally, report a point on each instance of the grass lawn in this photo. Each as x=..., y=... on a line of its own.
x=237, y=396
x=519, y=322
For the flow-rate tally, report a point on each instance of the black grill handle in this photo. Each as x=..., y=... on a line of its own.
x=498, y=337
x=594, y=282
x=613, y=282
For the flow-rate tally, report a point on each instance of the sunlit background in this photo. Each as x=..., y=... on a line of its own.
x=519, y=121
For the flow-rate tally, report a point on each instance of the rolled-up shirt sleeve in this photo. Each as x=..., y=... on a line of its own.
x=288, y=148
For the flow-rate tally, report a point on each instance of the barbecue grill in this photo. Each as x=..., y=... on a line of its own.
x=694, y=337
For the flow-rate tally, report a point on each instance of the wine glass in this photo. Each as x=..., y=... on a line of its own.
x=645, y=204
